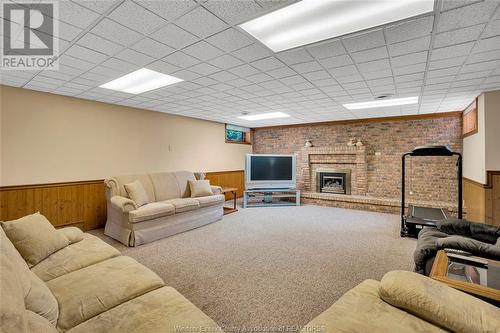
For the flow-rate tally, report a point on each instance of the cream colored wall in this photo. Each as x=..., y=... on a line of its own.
x=474, y=149
x=52, y=138
x=492, y=133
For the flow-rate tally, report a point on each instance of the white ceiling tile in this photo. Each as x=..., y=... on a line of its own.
x=267, y=64
x=67, y=60
x=458, y=36
x=452, y=51
x=480, y=66
x=318, y=75
x=409, y=59
x=204, y=68
x=373, y=66
x=136, y=18
x=451, y=4
x=203, y=51
x=234, y=12
x=466, y=16
x=86, y=54
x=483, y=56
x=327, y=49
x=76, y=15
x=223, y=76
x=230, y=40
x=369, y=55
x=99, y=44
x=493, y=29
x=200, y=22
x=163, y=67
x=337, y=61
x=252, y=52
x=411, y=69
x=260, y=77
x=377, y=74
x=67, y=31
x=307, y=67
x=116, y=32
x=344, y=71
x=294, y=56
x=120, y=65
x=364, y=41
x=409, y=30
x=225, y=61
x=152, y=48
x=174, y=36
x=443, y=72
x=98, y=6
x=134, y=57
x=487, y=44
x=444, y=63
x=169, y=10
x=281, y=72
x=243, y=70
x=181, y=59
x=415, y=45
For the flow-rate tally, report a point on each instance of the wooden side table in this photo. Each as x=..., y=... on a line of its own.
x=439, y=272
x=229, y=210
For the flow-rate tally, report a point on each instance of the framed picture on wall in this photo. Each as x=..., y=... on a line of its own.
x=469, y=120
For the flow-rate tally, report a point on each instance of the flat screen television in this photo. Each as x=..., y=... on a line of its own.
x=266, y=171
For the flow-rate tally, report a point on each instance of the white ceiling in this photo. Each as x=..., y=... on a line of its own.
x=446, y=58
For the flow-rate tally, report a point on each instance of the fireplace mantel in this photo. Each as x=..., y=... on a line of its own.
x=310, y=159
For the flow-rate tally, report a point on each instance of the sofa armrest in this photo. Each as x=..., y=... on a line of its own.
x=123, y=204
x=438, y=303
x=216, y=189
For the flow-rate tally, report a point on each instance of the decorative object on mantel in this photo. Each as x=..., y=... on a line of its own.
x=308, y=143
x=359, y=143
x=351, y=142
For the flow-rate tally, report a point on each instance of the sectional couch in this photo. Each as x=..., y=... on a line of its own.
x=85, y=286
x=170, y=210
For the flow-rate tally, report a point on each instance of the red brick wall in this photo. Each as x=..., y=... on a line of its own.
x=429, y=178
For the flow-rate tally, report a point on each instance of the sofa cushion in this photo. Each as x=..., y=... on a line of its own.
x=137, y=193
x=211, y=200
x=160, y=310
x=471, y=245
x=438, y=303
x=84, y=293
x=151, y=211
x=182, y=178
x=34, y=237
x=361, y=310
x=73, y=234
x=126, y=179
x=183, y=204
x=165, y=185
x=89, y=251
x=200, y=188
x=41, y=301
x=36, y=323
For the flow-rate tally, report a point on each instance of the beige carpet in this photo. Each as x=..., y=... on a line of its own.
x=264, y=267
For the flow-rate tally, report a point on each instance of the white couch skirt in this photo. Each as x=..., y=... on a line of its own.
x=134, y=234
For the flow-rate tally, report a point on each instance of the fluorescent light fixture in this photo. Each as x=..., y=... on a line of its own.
x=381, y=103
x=262, y=116
x=140, y=81
x=310, y=21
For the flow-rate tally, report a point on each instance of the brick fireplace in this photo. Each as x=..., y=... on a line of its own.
x=375, y=167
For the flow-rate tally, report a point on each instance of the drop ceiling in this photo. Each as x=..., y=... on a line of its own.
x=445, y=58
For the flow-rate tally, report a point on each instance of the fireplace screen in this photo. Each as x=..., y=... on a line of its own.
x=334, y=181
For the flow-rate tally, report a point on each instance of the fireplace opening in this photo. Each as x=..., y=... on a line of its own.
x=334, y=181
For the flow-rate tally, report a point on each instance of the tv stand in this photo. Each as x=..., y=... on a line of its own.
x=271, y=197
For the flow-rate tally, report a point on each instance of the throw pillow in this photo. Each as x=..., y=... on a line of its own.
x=34, y=237
x=41, y=301
x=73, y=234
x=137, y=193
x=200, y=188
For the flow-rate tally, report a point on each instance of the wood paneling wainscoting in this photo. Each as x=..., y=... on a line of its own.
x=234, y=178
x=80, y=203
x=482, y=201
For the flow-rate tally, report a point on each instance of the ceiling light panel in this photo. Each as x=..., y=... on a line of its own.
x=382, y=103
x=140, y=81
x=310, y=21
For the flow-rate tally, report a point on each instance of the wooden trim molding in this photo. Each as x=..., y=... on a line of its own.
x=489, y=179
x=372, y=120
x=79, y=203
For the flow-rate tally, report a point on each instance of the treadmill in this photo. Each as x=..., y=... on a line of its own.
x=416, y=217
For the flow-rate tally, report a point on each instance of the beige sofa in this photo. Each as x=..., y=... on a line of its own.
x=406, y=302
x=87, y=286
x=171, y=209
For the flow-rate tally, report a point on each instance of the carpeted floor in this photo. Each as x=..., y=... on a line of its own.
x=276, y=265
